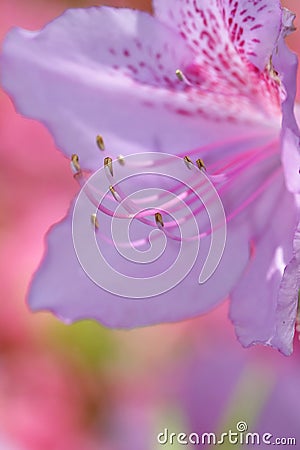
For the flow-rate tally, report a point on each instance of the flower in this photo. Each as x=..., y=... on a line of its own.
x=212, y=76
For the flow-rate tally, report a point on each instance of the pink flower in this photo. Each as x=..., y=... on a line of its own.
x=212, y=76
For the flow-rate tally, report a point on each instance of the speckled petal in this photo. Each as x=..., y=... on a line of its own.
x=100, y=71
x=81, y=83
x=215, y=27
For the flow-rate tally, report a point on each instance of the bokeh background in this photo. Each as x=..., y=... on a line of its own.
x=84, y=387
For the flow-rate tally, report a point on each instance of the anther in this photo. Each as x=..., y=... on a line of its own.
x=273, y=73
x=108, y=164
x=121, y=160
x=188, y=162
x=181, y=77
x=75, y=166
x=200, y=164
x=159, y=220
x=94, y=221
x=114, y=193
x=100, y=142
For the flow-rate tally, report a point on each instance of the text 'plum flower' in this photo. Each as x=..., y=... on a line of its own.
x=209, y=81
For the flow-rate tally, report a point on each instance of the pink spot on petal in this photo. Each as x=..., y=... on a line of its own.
x=261, y=8
x=183, y=112
x=138, y=44
x=132, y=68
x=148, y=103
x=252, y=249
x=167, y=80
x=256, y=27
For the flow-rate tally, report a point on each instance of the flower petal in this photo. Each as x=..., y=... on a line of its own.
x=286, y=63
x=291, y=159
x=82, y=79
x=212, y=27
x=61, y=285
x=288, y=301
x=255, y=313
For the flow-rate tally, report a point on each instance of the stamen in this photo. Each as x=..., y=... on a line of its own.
x=115, y=194
x=108, y=164
x=188, y=162
x=273, y=73
x=223, y=172
x=181, y=77
x=100, y=142
x=200, y=164
x=94, y=221
x=75, y=166
x=159, y=220
x=121, y=160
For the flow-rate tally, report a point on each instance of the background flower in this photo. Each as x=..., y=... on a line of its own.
x=105, y=389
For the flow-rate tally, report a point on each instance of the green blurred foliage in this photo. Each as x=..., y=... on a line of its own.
x=85, y=341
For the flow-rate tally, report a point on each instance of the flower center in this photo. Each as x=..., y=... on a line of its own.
x=243, y=91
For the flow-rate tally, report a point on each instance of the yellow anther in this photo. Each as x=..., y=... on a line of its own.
x=121, y=160
x=114, y=193
x=188, y=162
x=75, y=166
x=100, y=142
x=159, y=220
x=273, y=73
x=108, y=164
x=180, y=75
x=200, y=164
x=94, y=221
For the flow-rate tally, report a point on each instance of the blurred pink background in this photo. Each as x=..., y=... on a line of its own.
x=86, y=387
